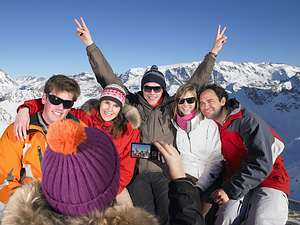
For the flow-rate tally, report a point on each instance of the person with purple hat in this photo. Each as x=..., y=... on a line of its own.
x=81, y=175
x=149, y=186
x=111, y=115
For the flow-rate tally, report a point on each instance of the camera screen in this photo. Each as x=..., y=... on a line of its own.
x=140, y=150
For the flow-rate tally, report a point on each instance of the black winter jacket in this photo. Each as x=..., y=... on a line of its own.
x=185, y=203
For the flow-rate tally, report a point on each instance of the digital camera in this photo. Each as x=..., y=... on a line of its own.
x=143, y=151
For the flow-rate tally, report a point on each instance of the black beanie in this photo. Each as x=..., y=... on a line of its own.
x=154, y=75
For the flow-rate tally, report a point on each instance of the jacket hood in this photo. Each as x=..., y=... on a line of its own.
x=129, y=112
x=28, y=205
x=234, y=107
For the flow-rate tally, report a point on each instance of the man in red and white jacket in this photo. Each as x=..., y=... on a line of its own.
x=256, y=185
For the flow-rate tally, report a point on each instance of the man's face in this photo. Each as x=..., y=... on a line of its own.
x=153, y=96
x=51, y=112
x=210, y=105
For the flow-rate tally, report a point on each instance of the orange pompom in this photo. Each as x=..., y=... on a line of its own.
x=64, y=136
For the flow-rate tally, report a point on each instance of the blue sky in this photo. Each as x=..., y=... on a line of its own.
x=38, y=38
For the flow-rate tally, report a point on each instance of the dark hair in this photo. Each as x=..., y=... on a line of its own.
x=182, y=90
x=60, y=83
x=220, y=92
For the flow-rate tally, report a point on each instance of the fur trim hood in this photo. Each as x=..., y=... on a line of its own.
x=129, y=112
x=28, y=205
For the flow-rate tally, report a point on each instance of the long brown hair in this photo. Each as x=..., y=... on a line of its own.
x=182, y=90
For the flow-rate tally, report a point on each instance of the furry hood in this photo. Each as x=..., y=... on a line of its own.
x=129, y=112
x=28, y=205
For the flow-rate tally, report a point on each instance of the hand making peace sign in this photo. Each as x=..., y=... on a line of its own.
x=219, y=40
x=83, y=32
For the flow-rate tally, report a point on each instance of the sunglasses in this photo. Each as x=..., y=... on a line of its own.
x=156, y=89
x=54, y=100
x=190, y=100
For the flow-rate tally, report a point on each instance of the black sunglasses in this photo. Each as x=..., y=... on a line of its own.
x=156, y=89
x=190, y=100
x=54, y=100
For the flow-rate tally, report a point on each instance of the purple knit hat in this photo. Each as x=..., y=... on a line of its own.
x=80, y=169
x=115, y=93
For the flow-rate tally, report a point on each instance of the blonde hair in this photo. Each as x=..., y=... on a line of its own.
x=182, y=90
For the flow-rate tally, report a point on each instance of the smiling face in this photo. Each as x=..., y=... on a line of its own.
x=52, y=113
x=187, y=108
x=212, y=107
x=152, y=97
x=109, y=110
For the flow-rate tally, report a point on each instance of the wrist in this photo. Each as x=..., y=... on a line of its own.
x=213, y=54
x=88, y=43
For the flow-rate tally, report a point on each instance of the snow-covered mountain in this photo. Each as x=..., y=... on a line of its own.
x=270, y=90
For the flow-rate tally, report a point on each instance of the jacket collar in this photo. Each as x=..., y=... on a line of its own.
x=234, y=111
x=192, y=124
x=37, y=124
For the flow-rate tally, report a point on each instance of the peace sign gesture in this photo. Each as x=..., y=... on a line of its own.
x=219, y=40
x=83, y=32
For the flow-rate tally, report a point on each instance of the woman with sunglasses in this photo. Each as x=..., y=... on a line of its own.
x=110, y=114
x=197, y=140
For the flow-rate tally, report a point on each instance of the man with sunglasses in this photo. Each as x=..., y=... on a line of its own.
x=20, y=160
x=149, y=186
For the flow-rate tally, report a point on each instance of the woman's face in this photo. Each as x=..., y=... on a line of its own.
x=186, y=108
x=109, y=110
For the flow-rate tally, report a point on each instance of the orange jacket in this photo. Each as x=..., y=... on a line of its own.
x=20, y=161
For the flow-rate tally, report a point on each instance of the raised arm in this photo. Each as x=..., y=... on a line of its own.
x=103, y=71
x=204, y=70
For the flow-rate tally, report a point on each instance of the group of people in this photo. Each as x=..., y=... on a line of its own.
x=219, y=158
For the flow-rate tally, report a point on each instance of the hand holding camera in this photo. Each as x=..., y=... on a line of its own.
x=172, y=166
